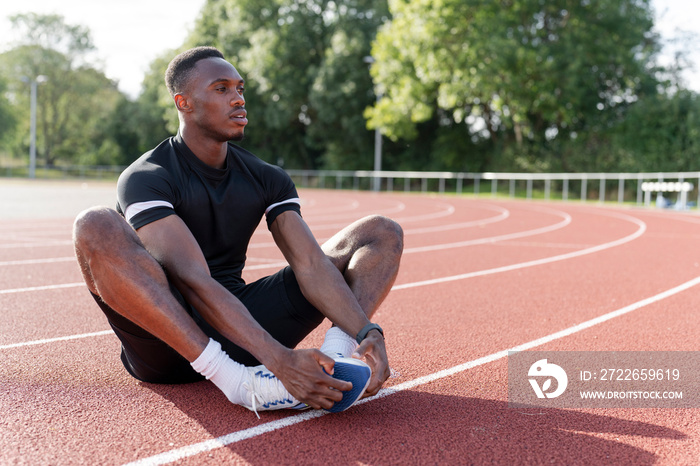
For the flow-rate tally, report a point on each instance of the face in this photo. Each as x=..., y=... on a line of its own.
x=213, y=101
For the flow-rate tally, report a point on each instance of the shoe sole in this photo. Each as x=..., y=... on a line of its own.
x=356, y=372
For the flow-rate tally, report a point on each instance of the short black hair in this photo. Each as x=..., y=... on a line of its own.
x=180, y=68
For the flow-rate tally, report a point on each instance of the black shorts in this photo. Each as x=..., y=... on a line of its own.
x=276, y=302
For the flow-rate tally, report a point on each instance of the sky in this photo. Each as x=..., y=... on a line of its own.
x=129, y=34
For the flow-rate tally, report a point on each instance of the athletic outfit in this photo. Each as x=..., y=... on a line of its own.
x=222, y=208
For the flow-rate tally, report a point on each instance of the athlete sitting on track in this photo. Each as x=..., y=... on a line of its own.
x=166, y=266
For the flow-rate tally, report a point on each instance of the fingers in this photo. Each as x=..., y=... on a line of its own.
x=307, y=379
x=372, y=350
x=328, y=365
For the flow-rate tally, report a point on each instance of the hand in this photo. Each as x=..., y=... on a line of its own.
x=302, y=373
x=373, y=351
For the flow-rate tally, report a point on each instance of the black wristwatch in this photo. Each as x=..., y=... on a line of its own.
x=362, y=334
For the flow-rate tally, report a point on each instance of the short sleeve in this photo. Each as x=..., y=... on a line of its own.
x=145, y=194
x=281, y=194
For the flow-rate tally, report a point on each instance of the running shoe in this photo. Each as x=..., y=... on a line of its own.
x=350, y=370
x=268, y=393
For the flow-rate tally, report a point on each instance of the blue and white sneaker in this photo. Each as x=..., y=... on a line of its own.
x=350, y=370
x=267, y=392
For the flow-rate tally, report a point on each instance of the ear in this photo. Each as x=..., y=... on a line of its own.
x=182, y=103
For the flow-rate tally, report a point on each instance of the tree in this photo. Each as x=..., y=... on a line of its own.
x=307, y=84
x=660, y=133
x=8, y=120
x=517, y=73
x=72, y=101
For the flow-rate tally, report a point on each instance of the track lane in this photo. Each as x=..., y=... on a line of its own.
x=450, y=418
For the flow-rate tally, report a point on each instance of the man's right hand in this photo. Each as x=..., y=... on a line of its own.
x=302, y=373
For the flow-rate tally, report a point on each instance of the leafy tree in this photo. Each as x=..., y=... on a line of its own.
x=307, y=83
x=38, y=54
x=8, y=120
x=516, y=73
x=81, y=115
x=659, y=133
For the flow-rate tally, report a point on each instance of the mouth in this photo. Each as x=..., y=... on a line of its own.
x=239, y=116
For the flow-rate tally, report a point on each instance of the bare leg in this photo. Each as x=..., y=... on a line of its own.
x=117, y=267
x=368, y=253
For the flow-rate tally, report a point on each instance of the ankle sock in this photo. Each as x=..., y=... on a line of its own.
x=338, y=342
x=224, y=372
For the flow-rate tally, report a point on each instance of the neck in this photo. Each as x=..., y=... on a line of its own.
x=208, y=150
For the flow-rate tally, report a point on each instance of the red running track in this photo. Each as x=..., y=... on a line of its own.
x=479, y=276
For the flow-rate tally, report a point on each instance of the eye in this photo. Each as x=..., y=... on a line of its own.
x=241, y=90
x=221, y=89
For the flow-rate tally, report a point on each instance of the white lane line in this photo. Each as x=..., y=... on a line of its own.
x=398, y=207
x=449, y=209
x=233, y=437
x=53, y=340
x=38, y=244
x=507, y=268
x=639, y=232
x=326, y=210
x=42, y=288
x=39, y=261
x=492, y=239
x=504, y=214
x=566, y=220
x=535, y=244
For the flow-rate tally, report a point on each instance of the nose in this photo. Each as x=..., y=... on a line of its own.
x=237, y=100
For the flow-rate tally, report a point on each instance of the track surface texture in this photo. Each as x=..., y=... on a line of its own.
x=479, y=276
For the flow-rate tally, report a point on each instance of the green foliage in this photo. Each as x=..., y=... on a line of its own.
x=660, y=133
x=82, y=118
x=8, y=119
x=307, y=83
x=518, y=72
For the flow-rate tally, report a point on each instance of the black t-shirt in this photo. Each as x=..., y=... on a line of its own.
x=221, y=207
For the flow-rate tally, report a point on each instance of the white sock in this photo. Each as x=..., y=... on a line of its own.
x=338, y=342
x=224, y=372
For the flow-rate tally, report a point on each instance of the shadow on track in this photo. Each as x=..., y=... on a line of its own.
x=422, y=428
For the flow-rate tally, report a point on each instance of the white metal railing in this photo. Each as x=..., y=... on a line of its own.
x=568, y=185
x=564, y=186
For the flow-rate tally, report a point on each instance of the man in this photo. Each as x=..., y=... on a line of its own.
x=165, y=268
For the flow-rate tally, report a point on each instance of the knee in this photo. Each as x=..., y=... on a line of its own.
x=95, y=225
x=388, y=232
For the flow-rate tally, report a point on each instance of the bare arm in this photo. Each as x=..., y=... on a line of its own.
x=325, y=287
x=172, y=244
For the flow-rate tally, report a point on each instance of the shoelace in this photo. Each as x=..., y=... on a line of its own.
x=266, y=383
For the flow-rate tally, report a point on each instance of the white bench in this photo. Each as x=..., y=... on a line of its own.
x=659, y=187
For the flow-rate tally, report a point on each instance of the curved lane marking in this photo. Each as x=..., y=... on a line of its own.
x=398, y=207
x=445, y=212
x=503, y=214
x=521, y=265
x=492, y=239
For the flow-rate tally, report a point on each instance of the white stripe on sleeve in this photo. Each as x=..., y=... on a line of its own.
x=138, y=207
x=294, y=200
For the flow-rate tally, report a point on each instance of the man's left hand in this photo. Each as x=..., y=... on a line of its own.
x=373, y=352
